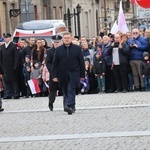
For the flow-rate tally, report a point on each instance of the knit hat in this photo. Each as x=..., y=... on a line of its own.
x=143, y=27
x=100, y=45
x=28, y=56
x=145, y=54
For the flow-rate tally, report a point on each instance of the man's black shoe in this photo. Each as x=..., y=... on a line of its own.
x=73, y=110
x=1, y=109
x=51, y=107
x=68, y=110
x=136, y=89
x=117, y=91
x=142, y=89
x=124, y=91
x=9, y=97
x=16, y=97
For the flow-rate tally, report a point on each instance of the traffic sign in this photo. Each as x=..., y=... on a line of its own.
x=143, y=13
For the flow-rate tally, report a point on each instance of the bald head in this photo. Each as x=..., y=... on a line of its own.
x=117, y=38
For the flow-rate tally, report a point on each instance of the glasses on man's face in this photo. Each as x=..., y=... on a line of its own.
x=135, y=33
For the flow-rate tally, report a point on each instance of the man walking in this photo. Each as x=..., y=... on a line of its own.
x=9, y=57
x=68, y=69
x=49, y=62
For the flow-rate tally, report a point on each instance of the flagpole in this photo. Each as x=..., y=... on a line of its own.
x=105, y=15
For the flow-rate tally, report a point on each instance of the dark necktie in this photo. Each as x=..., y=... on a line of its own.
x=67, y=51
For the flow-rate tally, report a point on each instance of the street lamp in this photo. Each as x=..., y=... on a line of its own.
x=78, y=19
x=14, y=12
x=68, y=17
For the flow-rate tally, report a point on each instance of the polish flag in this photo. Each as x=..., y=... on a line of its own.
x=34, y=86
x=122, y=26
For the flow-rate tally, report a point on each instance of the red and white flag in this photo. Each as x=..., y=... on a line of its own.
x=122, y=26
x=34, y=86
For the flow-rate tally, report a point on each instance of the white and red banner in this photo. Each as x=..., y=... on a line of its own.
x=34, y=86
x=122, y=26
x=114, y=28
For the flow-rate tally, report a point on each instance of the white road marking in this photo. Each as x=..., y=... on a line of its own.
x=79, y=108
x=75, y=136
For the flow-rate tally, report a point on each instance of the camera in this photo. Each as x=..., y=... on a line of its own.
x=116, y=44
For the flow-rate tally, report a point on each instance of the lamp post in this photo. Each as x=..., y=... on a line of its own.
x=78, y=19
x=68, y=17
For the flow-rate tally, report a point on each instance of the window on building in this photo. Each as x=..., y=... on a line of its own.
x=6, y=16
x=55, y=12
x=45, y=12
x=60, y=10
x=35, y=13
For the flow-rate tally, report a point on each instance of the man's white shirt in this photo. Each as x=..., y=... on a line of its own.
x=6, y=44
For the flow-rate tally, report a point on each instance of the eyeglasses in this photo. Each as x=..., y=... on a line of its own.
x=135, y=33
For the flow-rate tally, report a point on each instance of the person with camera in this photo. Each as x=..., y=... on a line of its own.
x=138, y=45
x=119, y=51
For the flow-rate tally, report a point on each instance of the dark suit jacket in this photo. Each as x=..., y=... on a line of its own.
x=9, y=58
x=49, y=63
x=1, y=69
x=70, y=68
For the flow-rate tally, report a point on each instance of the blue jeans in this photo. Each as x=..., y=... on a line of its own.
x=69, y=98
x=130, y=81
x=101, y=83
x=147, y=83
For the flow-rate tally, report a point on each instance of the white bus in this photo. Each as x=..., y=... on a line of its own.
x=39, y=29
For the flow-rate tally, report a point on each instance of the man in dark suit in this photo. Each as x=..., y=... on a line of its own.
x=56, y=39
x=68, y=69
x=9, y=57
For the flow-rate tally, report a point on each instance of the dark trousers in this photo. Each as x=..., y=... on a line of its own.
x=53, y=89
x=8, y=88
x=109, y=79
x=69, y=96
x=120, y=74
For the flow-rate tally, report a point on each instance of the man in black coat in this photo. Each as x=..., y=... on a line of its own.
x=119, y=51
x=68, y=69
x=49, y=62
x=9, y=57
x=28, y=50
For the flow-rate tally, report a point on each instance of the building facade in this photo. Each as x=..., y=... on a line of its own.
x=93, y=15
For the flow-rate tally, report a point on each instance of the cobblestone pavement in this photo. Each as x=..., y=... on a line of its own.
x=25, y=120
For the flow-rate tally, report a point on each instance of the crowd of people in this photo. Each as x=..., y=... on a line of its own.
x=112, y=63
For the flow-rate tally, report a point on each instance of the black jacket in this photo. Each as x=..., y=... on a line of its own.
x=1, y=70
x=26, y=51
x=49, y=58
x=123, y=53
x=145, y=67
x=99, y=66
x=68, y=66
x=9, y=58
